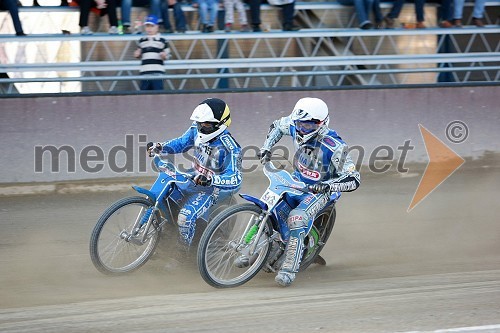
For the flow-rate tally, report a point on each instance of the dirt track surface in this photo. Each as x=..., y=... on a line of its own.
x=436, y=267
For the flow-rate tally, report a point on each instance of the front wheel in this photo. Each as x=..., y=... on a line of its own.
x=122, y=240
x=222, y=245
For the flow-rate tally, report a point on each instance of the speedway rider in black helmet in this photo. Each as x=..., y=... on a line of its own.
x=216, y=163
x=321, y=161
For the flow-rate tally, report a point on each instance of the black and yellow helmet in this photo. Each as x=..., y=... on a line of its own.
x=212, y=117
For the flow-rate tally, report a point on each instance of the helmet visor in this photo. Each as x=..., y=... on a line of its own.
x=306, y=127
x=207, y=127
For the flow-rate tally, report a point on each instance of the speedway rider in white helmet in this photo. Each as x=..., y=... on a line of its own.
x=321, y=161
x=216, y=163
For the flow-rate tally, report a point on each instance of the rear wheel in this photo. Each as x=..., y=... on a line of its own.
x=222, y=244
x=317, y=237
x=115, y=247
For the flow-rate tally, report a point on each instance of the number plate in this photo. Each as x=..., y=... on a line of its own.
x=270, y=198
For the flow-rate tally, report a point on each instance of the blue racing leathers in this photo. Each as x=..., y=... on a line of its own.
x=323, y=159
x=218, y=160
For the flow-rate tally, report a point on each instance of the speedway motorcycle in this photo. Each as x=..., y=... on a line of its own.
x=128, y=232
x=257, y=231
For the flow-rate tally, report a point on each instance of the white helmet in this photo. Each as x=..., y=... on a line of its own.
x=310, y=116
x=212, y=117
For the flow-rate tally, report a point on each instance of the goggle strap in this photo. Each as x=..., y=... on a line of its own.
x=222, y=121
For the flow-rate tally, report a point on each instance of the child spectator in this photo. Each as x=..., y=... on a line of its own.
x=153, y=50
x=229, y=6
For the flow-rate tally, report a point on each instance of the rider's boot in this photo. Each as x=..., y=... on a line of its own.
x=293, y=255
x=284, y=278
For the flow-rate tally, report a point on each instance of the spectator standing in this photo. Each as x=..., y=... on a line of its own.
x=179, y=18
x=477, y=13
x=153, y=50
x=101, y=7
x=11, y=6
x=229, y=6
x=363, y=9
x=396, y=10
x=207, y=10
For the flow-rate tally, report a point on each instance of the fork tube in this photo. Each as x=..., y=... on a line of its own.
x=138, y=219
x=148, y=223
x=169, y=208
x=259, y=232
x=250, y=224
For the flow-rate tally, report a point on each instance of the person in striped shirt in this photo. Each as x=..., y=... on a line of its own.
x=153, y=50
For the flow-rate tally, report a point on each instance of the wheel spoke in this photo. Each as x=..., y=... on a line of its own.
x=220, y=247
x=111, y=250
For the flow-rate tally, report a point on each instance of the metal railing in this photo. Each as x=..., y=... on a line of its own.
x=311, y=57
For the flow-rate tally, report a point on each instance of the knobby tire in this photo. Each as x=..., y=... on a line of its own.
x=207, y=246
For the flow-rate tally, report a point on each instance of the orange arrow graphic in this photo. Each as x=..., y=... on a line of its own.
x=442, y=163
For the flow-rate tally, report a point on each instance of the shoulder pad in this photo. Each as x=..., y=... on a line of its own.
x=331, y=142
x=285, y=124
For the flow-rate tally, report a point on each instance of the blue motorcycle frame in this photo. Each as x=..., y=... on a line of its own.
x=128, y=232
x=258, y=230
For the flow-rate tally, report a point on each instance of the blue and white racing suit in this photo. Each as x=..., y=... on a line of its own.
x=324, y=158
x=218, y=160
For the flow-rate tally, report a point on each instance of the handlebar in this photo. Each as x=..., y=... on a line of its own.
x=269, y=167
x=154, y=152
x=167, y=166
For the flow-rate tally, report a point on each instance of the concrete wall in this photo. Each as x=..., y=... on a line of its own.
x=366, y=118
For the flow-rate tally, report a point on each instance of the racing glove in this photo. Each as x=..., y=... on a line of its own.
x=153, y=149
x=202, y=180
x=319, y=188
x=264, y=156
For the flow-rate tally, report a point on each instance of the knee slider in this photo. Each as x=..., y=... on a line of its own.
x=182, y=218
x=297, y=219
